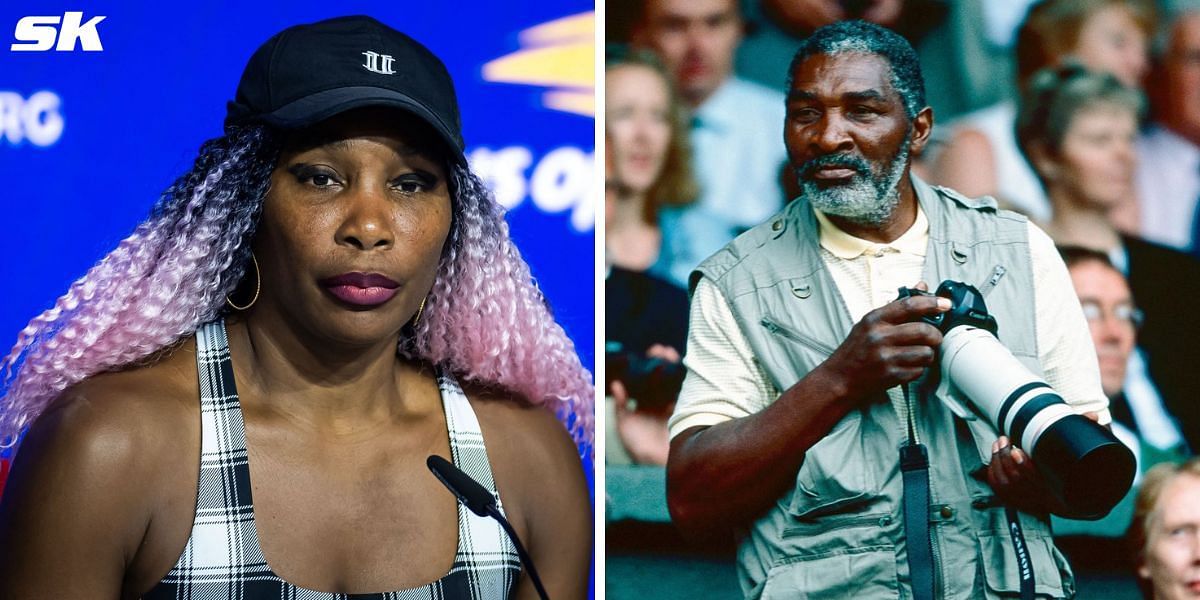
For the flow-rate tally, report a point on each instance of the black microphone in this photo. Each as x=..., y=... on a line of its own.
x=481, y=502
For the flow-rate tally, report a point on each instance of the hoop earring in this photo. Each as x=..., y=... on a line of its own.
x=420, y=309
x=257, y=286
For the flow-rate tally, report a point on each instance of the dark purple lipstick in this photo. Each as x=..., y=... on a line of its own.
x=361, y=289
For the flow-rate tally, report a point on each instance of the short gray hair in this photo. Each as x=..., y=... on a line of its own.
x=868, y=38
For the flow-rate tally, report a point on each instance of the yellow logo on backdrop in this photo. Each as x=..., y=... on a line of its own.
x=558, y=54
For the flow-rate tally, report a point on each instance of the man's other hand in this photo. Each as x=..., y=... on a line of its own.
x=1017, y=482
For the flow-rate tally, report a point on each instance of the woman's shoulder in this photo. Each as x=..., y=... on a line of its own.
x=992, y=118
x=515, y=429
x=121, y=423
x=528, y=447
x=110, y=465
x=135, y=401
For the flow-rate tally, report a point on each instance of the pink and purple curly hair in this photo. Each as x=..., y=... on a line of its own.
x=484, y=318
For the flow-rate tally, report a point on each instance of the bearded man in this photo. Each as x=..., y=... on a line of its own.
x=789, y=428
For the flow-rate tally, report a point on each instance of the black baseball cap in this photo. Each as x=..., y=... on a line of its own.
x=308, y=73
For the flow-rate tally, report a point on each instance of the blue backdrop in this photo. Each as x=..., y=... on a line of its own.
x=89, y=138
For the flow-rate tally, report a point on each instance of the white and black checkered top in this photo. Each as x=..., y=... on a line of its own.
x=223, y=560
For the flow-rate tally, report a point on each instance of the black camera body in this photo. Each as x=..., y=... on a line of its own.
x=967, y=307
x=653, y=382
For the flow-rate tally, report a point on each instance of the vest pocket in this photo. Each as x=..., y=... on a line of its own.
x=868, y=572
x=834, y=477
x=1002, y=572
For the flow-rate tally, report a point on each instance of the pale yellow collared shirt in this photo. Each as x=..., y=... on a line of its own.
x=724, y=382
x=870, y=274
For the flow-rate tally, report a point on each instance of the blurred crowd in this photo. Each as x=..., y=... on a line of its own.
x=1084, y=115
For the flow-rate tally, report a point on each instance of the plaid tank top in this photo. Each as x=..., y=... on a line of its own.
x=223, y=560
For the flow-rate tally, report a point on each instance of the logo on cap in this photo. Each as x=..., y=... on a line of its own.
x=373, y=60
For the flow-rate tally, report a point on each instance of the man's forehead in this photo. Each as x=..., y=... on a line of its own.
x=689, y=9
x=848, y=72
x=1100, y=282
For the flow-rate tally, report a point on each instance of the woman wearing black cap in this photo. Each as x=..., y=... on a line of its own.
x=239, y=400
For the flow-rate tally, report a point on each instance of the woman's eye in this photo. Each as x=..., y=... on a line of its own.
x=619, y=113
x=313, y=176
x=414, y=183
x=409, y=186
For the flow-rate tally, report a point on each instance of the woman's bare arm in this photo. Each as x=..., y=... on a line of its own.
x=541, y=483
x=70, y=520
x=82, y=515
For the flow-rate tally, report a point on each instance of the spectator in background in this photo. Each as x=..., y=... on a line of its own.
x=1140, y=417
x=1078, y=130
x=652, y=222
x=982, y=157
x=654, y=238
x=737, y=126
x=1134, y=399
x=1166, y=531
x=1168, y=177
x=968, y=57
x=776, y=27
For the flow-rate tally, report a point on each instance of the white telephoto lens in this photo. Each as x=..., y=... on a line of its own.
x=1086, y=468
x=998, y=384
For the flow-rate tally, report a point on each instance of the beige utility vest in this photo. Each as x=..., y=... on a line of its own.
x=839, y=533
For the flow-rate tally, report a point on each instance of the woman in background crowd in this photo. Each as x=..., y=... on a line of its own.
x=982, y=157
x=650, y=225
x=1078, y=128
x=1166, y=532
x=653, y=239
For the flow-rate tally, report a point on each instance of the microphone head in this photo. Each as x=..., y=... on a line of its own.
x=468, y=491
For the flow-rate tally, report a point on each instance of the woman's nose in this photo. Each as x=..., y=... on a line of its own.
x=367, y=223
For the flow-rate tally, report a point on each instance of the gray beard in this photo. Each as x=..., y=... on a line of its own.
x=864, y=200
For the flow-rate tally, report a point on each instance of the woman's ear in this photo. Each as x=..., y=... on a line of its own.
x=1143, y=571
x=1046, y=166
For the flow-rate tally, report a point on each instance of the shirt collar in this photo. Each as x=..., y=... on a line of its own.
x=845, y=246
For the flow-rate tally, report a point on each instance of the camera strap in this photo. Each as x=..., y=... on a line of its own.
x=1024, y=565
x=914, y=471
x=914, y=468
